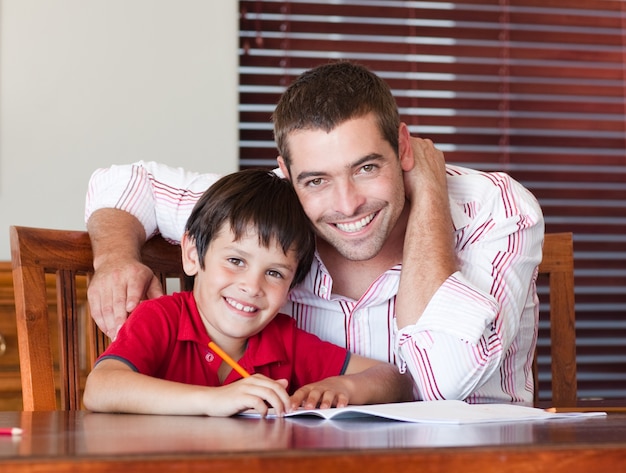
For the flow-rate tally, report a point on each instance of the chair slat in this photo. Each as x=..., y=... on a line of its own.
x=36, y=252
x=558, y=265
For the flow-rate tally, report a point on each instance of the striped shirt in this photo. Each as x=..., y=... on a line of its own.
x=476, y=338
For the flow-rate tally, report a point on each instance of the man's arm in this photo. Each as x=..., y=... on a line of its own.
x=120, y=279
x=462, y=304
x=429, y=236
x=125, y=205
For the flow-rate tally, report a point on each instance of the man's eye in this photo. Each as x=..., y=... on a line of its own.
x=315, y=182
x=368, y=168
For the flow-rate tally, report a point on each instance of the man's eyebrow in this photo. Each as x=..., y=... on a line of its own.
x=366, y=159
x=308, y=174
x=358, y=163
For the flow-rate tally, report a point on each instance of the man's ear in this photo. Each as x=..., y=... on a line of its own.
x=191, y=262
x=405, y=151
x=283, y=167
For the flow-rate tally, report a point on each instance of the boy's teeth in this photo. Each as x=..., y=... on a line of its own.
x=240, y=306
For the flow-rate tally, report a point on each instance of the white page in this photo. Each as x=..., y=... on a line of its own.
x=438, y=412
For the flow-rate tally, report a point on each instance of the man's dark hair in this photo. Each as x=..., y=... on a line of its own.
x=328, y=95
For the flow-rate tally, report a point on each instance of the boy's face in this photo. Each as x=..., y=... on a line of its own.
x=243, y=284
x=350, y=183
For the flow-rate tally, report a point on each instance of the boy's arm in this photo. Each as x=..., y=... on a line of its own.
x=112, y=386
x=365, y=381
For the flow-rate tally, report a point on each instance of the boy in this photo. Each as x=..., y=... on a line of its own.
x=247, y=242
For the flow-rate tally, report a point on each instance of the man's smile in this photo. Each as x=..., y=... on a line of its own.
x=354, y=227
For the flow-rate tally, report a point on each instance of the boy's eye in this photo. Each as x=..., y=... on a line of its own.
x=275, y=274
x=235, y=261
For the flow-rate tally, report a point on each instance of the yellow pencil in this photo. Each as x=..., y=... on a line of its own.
x=232, y=363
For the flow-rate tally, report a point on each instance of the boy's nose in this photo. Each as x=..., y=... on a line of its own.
x=251, y=284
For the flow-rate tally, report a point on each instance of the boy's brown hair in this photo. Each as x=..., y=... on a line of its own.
x=257, y=200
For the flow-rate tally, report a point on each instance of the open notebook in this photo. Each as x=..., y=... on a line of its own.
x=437, y=412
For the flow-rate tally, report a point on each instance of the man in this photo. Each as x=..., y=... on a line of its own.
x=419, y=263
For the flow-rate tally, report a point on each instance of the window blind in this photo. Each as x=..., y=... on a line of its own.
x=535, y=88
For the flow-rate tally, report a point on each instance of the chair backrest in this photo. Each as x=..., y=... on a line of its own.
x=558, y=265
x=36, y=252
x=67, y=254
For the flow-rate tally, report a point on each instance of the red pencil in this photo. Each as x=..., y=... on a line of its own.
x=10, y=431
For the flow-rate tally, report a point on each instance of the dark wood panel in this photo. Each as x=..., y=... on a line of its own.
x=10, y=383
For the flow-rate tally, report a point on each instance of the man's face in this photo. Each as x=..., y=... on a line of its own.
x=350, y=184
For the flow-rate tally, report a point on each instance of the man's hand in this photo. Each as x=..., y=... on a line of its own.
x=116, y=289
x=428, y=174
x=120, y=280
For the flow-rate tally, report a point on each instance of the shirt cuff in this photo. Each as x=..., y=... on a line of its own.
x=457, y=309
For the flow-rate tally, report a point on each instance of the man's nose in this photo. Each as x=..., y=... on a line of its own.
x=347, y=198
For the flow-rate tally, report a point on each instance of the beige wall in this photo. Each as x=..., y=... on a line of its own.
x=87, y=83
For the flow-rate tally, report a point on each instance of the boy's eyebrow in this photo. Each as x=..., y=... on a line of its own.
x=246, y=254
x=359, y=162
x=288, y=267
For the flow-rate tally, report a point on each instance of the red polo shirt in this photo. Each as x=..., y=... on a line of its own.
x=165, y=338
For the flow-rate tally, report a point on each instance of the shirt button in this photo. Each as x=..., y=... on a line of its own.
x=323, y=290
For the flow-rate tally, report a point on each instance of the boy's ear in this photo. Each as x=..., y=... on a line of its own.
x=191, y=262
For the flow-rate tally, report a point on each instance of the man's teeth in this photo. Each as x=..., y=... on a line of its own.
x=239, y=306
x=355, y=226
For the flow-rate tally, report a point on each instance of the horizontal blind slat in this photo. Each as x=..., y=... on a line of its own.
x=535, y=88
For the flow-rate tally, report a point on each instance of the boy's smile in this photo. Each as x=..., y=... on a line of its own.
x=243, y=284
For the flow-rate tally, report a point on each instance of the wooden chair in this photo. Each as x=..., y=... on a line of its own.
x=36, y=252
x=558, y=265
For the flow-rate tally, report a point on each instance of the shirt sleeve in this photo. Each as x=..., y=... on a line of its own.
x=144, y=341
x=479, y=312
x=159, y=196
x=315, y=359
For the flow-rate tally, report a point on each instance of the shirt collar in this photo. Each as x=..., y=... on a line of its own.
x=190, y=325
x=459, y=218
x=261, y=351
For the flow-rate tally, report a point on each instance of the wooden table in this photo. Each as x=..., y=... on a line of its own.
x=83, y=441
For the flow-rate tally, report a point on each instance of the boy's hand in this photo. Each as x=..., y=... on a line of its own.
x=257, y=392
x=330, y=392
